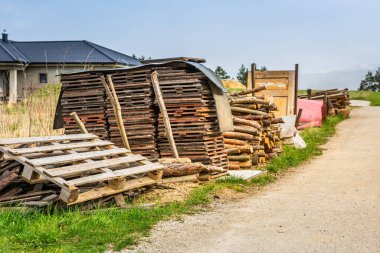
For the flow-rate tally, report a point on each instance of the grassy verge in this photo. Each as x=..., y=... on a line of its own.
x=373, y=97
x=31, y=117
x=75, y=231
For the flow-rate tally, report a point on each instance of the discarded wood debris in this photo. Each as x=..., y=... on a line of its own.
x=256, y=135
x=70, y=163
x=335, y=101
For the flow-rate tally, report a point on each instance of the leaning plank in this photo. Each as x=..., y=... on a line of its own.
x=107, y=191
x=23, y=151
x=77, y=156
x=79, y=168
x=115, y=174
x=31, y=140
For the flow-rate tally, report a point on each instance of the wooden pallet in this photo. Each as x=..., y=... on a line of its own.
x=81, y=160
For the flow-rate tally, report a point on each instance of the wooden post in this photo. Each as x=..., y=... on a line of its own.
x=116, y=108
x=309, y=94
x=80, y=124
x=298, y=117
x=295, y=88
x=165, y=116
x=253, y=69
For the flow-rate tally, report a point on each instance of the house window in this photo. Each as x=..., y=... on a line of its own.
x=43, y=78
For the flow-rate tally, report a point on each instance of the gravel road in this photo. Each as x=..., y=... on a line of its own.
x=331, y=204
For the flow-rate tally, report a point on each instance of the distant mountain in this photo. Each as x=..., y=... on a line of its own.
x=338, y=79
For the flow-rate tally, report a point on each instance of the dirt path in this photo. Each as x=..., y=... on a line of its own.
x=331, y=204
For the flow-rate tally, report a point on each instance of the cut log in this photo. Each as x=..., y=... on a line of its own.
x=248, y=111
x=249, y=100
x=251, y=123
x=240, y=158
x=250, y=91
x=188, y=178
x=178, y=169
x=235, y=142
x=239, y=136
x=246, y=129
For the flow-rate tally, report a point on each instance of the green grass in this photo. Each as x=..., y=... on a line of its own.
x=372, y=96
x=95, y=231
x=314, y=138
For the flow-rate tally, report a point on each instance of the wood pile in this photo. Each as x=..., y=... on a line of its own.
x=192, y=114
x=74, y=168
x=14, y=190
x=188, y=98
x=184, y=170
x=85, y=95
x=256, y=135
x=136, y=98
x=336, y=101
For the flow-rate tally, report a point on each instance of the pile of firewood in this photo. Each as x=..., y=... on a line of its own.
x=336, y=101
x=14, y=190
x=256, y=135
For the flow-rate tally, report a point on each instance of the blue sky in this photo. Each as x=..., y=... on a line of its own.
x=329, y=39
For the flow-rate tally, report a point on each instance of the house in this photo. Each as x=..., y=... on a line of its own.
x=27, y=65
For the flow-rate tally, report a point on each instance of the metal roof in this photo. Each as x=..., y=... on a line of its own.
x=69, y=52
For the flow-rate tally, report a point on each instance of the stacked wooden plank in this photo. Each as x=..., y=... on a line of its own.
x=336, y=101
x=192, y=113
x=136, y=98
x=85, y=95
x=81, y=166
x=256, y=135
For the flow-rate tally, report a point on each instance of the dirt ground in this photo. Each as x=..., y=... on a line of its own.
x=331, y=204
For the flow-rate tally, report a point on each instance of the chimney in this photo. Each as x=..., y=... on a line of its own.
x=4, y=36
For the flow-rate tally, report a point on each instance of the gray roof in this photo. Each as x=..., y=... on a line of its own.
x=69, y=52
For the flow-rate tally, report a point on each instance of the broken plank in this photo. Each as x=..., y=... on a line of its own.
x=26, y=195
x=77, y=156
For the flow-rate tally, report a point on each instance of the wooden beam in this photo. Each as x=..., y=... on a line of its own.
x=165, y=116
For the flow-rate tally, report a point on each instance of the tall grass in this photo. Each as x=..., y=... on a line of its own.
x=33, y=116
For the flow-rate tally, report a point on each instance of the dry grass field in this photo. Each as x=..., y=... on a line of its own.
x=32, y=117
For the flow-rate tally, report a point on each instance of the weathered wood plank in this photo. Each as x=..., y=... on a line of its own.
x=117, y=173
x=31, y=140
x=76, y=156
x=107, y=191
x=79, y=168
x=23, y=151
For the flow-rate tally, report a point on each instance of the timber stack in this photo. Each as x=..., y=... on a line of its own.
x=71, y=169
x=193, y=117
x=336, y=101
x=187, y=94
x=256, y=135
x=84, y=94
x=136, y=97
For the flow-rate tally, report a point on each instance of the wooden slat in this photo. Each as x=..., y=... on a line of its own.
x=76, y=157
x=107, y=191
x=23, y=151
x=80, y=168
x=118, y=173
x=31, y=140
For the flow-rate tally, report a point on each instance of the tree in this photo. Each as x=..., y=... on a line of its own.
x=221, y=73
x=242, y=74
x=371, y=81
